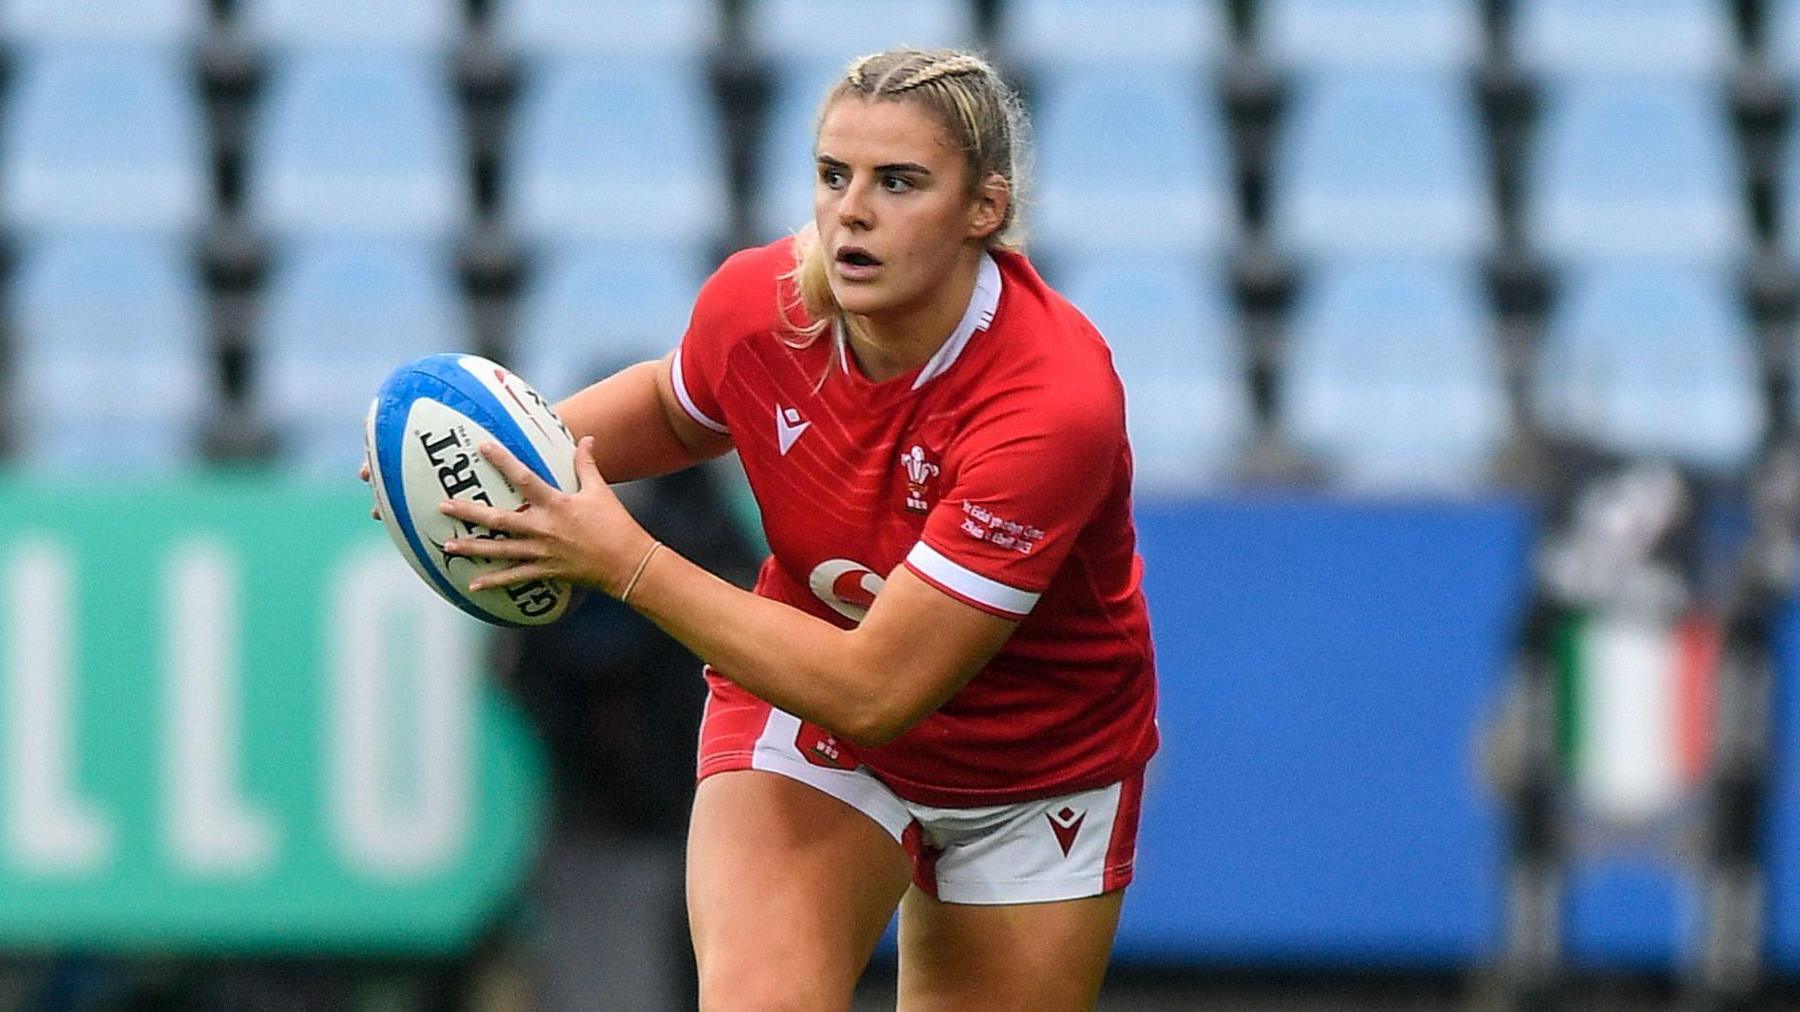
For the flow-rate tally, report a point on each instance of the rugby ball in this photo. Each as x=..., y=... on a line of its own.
x=421, y=436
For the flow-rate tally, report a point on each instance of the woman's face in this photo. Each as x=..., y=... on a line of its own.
x=892, y=204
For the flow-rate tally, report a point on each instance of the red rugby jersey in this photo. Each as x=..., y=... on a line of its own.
x=998, y=472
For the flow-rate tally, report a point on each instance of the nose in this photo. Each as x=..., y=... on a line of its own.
x=853, y=207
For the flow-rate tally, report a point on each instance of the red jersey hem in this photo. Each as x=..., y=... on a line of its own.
x=724, y=762
x=982, y=797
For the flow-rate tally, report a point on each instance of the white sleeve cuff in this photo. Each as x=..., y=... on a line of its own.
x=687, y=403
x=963, y=582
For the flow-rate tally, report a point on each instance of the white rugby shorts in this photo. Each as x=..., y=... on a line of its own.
x=1061, y=848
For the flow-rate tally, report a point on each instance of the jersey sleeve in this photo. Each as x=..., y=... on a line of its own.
x=1020, y=498
x=697, y=369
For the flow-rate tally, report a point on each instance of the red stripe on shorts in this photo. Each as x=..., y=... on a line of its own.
x=1121, y=850
x=924, y=858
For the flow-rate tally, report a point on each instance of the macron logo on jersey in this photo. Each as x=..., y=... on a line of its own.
x=788, y=427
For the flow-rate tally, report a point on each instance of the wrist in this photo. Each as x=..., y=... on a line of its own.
x=647, y=549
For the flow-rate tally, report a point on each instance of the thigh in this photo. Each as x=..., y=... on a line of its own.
x=788, y=892
x=1045, y=957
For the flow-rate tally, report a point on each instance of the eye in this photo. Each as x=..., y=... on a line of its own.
x=896, y=184
x=831, y=177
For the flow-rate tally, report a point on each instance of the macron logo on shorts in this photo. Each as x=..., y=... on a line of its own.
x=1065, y=823
x=788, y=427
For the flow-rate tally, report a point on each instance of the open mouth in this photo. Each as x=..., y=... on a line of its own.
x=856, y=257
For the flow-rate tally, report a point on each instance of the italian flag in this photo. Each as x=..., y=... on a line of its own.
x=1635, y=701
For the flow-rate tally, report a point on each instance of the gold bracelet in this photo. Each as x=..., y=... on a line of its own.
x=642, y=565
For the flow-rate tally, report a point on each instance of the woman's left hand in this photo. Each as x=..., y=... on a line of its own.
x=584, y=537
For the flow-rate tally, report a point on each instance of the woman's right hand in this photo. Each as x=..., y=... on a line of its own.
x=363, y=473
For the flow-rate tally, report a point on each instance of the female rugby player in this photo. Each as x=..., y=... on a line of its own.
x=940, y=696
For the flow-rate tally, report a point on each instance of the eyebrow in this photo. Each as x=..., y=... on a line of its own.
x=912, y=167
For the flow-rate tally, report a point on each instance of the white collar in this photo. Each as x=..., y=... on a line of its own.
x=983, y=301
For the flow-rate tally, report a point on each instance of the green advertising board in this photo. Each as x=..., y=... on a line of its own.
x=231, y=718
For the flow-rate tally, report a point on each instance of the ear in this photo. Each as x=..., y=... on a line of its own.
x=988, y=212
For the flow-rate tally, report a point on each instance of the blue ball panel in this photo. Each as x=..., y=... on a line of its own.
x=443, y=379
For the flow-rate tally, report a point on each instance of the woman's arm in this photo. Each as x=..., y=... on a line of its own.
x=914, y=649
x=640, y=429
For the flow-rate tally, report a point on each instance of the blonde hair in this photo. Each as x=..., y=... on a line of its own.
x=985, y=119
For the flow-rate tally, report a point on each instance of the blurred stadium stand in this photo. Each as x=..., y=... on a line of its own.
x=358, y=142
x=583, y=170
x=1266, y=139
x=1635, y=167
x=340, y=313
x=1394, y=377
x=98, y=138
x=120, y=317
x=602, y=303
x=1606, y=38
x=1385, y=162
x=1063, y=34
x=30, y=24
x=389, y=26
x=1650, y=360
x=791, y=32
x=1131, y=159
x=1389, y=35
x=781, y=197
x=1355, y=251
x=1189, y=415
x=669, y=31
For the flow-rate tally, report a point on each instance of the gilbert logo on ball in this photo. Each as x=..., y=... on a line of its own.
x=421, y=437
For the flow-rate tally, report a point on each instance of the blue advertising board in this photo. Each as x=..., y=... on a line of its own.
x=1327, y=668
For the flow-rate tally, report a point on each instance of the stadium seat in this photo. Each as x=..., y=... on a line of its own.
x=1652, y=359
x=782, y=200
x=1392, y=375
x=1308, y=35
x=793, y=32
x=607, y=153
x=303, y=25
x=39, y=23
x=104, y=139
x=594, y=307
x=358, y=143
x=1176, y=346
x=113, y=369
x=340, y=315
x=1789, y=188
x=1658, y=38
x=1182, y=34
x=1382, y=163
x=1632, y=167
x=677, y=30
x=1132, y=159
x=1781, y=37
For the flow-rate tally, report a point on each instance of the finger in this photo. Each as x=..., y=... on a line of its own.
x=511, y=576
x=477, y=515
x=362, y=473
x=587, y=471
x=495, y=548
x=532, y=488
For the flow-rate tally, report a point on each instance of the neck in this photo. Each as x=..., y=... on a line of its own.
x=894, y=343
